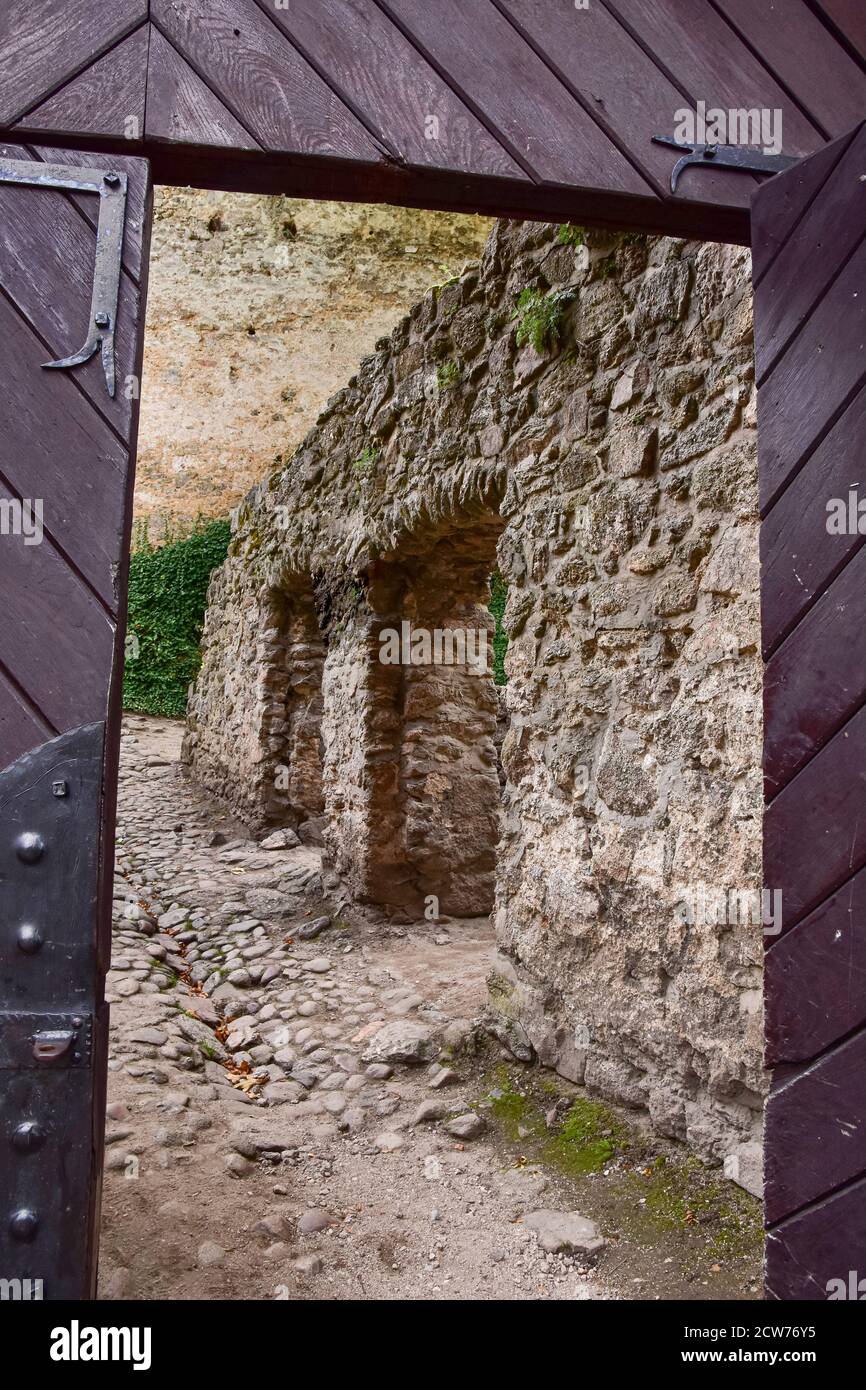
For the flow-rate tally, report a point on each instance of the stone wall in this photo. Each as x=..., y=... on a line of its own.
x=610, y=469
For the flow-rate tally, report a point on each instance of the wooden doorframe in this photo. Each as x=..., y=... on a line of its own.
x=560, y=204
x=506, y=107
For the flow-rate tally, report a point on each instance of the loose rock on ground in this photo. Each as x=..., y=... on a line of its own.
x=283, y=1119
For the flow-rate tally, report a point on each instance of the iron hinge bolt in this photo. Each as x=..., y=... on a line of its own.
x=27, y=1136
x=112, y=179
x=102, y=320
x=29, y=939
x=59, y=788
x=29, y=847
x=23, y=1224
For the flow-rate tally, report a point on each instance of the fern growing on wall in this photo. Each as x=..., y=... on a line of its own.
x=540, y=317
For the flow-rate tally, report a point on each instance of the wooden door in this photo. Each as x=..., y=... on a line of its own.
x=809, y=247
x=74, y=231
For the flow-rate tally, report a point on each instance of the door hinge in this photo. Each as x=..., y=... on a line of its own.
x=748, y=159
x=111, y=187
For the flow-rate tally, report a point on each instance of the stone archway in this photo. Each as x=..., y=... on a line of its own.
x=293, y=713
x=412, y=793
x=263, y=757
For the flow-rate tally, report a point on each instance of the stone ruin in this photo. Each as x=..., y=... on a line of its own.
x=577, y=412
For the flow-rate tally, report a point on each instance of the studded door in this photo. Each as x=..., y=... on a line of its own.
x=74, y=230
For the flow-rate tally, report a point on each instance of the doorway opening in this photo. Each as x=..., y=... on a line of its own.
x=347, y=719
x=291, y=675
x=428, y=764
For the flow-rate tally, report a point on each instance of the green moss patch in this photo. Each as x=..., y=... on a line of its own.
x=496, y=606
x=685, y=1195
x=167, y=594
x=640, y=1188
x=588, y=1138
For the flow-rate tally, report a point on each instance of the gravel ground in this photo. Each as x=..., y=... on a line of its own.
x=291, y=1088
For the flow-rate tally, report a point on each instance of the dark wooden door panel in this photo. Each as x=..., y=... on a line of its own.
x=513, y=92
x=772, y=224
x=593, y=50
x=802, y=53
x=831, y=234
x=811, y=415
x=63, y=453
x=712, y=63
x=22, y=725
x=56, y=637
x=263, y=79
x=814, y=1133
x=58, y=307
x=800, y=556
x=106, y=99
x=815, y=829
x=379, y=75
x=546, y=109
x=849, y=17
x=815, y=978
x=137, y=199
x=816, y=377
x=806, y=697
x=808, y=1252
x=67, y=445
x=182, y=109
x=42, y=47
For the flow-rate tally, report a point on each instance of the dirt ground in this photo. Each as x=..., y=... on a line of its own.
x=279, y=1107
